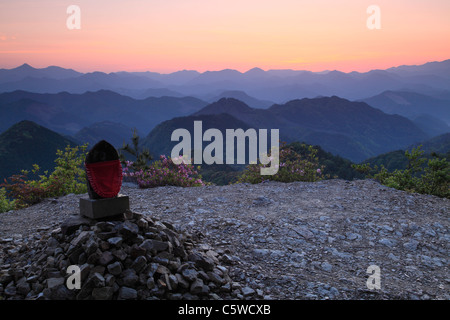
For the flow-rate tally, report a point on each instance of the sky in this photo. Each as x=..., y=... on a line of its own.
x=170, y=35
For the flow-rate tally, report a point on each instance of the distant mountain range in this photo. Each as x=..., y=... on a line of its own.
x=353, y=130
x=115, y=133
x=356, y=115
x=244, y=97
x=272, y=85
x=411, y=105
x=26, y=71
x=56, y=79
x=69, y=113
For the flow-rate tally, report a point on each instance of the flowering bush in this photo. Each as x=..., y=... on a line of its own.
x=28, y=192
x=292, y=167
x=164, y=173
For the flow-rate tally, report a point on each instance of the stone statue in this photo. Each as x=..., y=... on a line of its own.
x=104, y=180
x=103, y=171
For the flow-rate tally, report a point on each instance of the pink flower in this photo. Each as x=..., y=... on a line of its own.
x=319, y=171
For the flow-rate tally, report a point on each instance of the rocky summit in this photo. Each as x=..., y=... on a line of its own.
x=273, y=240
x=130, y=257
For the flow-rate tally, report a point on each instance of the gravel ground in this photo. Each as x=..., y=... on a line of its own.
x=291, y=241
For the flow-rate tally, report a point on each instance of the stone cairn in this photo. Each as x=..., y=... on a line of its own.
x=118, y=254
x=132, y=257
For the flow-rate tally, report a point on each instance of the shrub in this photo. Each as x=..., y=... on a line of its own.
x=5, y=203
x=432, y=177
x=164, y=173
x=67, y=177
x=292, y=167
x=69, y=173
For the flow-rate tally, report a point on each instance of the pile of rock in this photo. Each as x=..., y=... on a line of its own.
x=133, y=257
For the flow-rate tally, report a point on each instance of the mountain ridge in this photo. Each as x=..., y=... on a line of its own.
x=72, y=112
x=27, y=143
x=271, y=85
x=410, y=104
x=353, y=130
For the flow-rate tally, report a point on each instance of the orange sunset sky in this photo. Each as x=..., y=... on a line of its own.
x=170, y=35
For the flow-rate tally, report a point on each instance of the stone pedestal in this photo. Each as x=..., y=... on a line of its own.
x=102, y=208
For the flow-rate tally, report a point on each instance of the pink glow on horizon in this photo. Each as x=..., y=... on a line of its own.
x=167, y=36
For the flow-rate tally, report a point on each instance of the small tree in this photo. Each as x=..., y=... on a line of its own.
x=432, y=177
x=70, y=170
x=141, y=157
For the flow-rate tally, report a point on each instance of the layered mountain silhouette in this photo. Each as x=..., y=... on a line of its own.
x=431, y=125
x=55, y=79
x=69, y=113
x=411, y=105
x=26, y=71
x=244, y=97
x=113, y=132
x=272, y=85
x=356, y=115
x=353, y=130
x=159, y=139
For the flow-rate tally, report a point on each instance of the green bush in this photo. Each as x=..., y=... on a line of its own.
x=432, y=177
x=5, y=203
x=292, y=167
x=68, y=177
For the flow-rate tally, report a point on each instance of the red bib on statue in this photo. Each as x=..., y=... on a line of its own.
x=105, y=177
